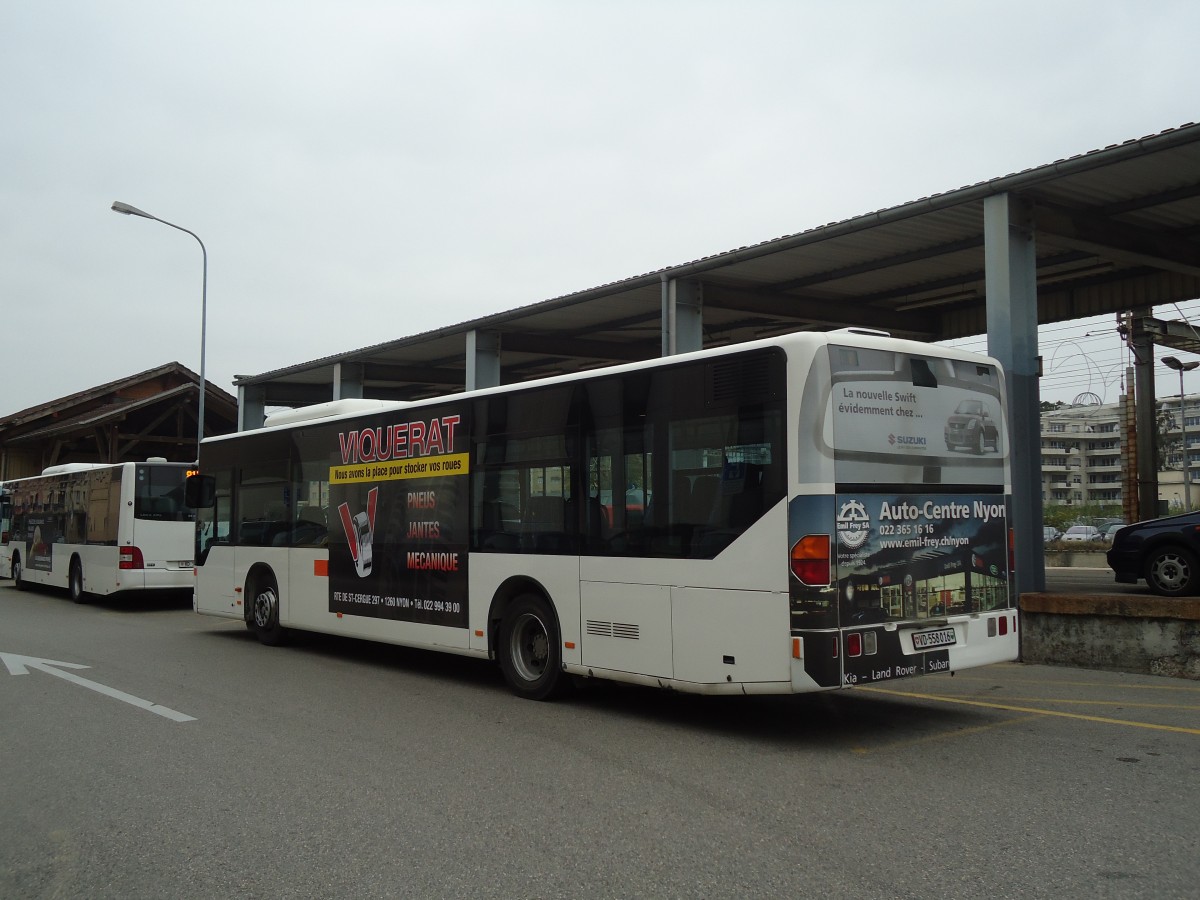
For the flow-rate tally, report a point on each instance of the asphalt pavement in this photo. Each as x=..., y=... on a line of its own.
x=166, y=754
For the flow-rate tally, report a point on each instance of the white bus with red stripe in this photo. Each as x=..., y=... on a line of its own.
x=787, y=515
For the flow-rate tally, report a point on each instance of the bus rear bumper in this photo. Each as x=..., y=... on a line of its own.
x=155, y=579
x=714, y=689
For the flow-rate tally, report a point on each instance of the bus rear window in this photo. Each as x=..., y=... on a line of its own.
x=159, y=494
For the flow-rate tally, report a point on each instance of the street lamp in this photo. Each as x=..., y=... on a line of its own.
x=1182, y=367
x=126, y=209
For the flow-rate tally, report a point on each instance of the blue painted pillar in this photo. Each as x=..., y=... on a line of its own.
x=682, y=316
x=252, y=407
x=1011, y=283
x=348, y=381
x=483, y=359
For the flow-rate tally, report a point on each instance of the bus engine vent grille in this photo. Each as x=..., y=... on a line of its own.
x=614, y=629
x=740, y=380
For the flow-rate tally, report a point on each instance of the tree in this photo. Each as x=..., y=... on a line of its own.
x=1164, y=441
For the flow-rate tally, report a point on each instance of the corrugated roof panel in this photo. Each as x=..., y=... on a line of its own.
x=921, y=261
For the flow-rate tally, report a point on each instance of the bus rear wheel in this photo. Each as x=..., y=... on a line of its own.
x=264, y=614
x=75, y=582
x=530, y=650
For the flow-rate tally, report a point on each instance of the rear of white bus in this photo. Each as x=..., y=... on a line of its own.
x=898, y=513
x=157, y=533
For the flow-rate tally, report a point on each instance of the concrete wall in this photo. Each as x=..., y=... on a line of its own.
x=1146, y=635
x=1088, y=559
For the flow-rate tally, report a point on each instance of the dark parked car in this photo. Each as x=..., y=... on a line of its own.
x=1166, y=552
x=972, y=426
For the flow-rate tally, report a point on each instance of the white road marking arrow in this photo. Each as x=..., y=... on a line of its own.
x=20, y=665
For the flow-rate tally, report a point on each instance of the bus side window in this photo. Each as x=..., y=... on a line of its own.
x=264, y=500
x=311, y=527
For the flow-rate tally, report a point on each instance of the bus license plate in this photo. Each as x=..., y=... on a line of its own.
x=942, y=637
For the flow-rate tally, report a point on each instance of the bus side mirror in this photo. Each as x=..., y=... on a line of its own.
x=200, y=491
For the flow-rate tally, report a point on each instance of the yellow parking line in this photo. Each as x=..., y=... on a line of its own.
x=1041, y=712
x=1189, y=688
x=1121, y=703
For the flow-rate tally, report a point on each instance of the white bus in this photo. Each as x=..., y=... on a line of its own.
x=97, y=529
x=779, y=516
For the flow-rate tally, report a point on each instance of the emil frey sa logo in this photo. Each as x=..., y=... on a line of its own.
x=853, y=525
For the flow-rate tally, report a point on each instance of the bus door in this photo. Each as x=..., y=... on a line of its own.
x=214, y=555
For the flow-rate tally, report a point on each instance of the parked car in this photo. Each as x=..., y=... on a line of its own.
x=1110, y=530
x=1083, y=533
x=1166, y=552
x=1050, y=533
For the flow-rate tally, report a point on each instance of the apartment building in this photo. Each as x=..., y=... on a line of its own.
x=1082, y=454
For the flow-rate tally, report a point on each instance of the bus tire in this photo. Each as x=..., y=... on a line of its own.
x=264, y=612
x=530, y=649
x=75, y=581
x=18, y=582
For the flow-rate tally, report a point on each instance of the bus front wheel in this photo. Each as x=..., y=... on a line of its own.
x=264, y=614
x=530, y=649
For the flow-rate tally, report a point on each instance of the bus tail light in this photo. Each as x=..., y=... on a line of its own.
x=810, y=562
x=130, y=558
x=854, y=644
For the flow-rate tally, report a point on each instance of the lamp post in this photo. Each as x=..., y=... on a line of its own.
x=1181, y=367
x=127, y=210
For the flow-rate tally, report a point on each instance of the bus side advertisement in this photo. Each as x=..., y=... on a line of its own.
x=399, y=547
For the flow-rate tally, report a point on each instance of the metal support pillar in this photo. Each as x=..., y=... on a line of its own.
x=1010, y=266
x=682, y=316
x=348, y=380
x=1141, y=342
x=483, y=359
x=252, y=406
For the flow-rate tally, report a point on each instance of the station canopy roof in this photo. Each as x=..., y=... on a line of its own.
x=1116, y=229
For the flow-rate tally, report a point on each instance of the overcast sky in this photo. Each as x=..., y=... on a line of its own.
x=364, y=171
